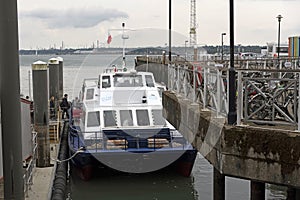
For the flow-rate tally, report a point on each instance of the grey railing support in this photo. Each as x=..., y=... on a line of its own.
x=218, y=93
x=205, y=88
x=298, y=111
x=240, y=99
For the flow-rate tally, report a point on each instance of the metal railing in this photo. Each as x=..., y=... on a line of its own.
x=205, y=84
x=268, y=96
x=28, y=175
x=122, y=140
x=267, y=89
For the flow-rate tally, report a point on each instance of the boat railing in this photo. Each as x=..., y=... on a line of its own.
x=114, y=69
x=125, y=141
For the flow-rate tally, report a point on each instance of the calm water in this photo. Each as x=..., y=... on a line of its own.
x=154, y=186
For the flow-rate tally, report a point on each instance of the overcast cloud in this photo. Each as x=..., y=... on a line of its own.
x=74, y=17
x=45, y=23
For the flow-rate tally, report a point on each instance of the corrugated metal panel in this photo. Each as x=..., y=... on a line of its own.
x=294, y=46
x=26, y=130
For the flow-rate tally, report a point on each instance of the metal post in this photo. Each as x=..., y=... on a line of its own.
x=178, y=79
x=232, y=88
x=257, y=190
x=147, y=67
x=280, y=67
x=240, y=99
x=219, y=185
x=10, y=101
x=169, y=78
x=218, y=92
x=279, y=17
x=170, y=30
x=184, y=70
x=195, y=72
x=29, y=85
x=123, y=38
x=204, y=87
x=185, y=52
x=298, y=111
x=222, y=46
x=41, y=112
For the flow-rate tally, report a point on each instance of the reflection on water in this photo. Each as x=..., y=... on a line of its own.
x=158, y=185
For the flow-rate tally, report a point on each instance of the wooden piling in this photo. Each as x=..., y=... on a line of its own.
x=40, y=76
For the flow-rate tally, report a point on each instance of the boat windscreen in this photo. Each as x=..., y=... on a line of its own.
x=122, y=80
x=149, y=81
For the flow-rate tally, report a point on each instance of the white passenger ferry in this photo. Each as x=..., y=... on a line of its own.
x=117, y=124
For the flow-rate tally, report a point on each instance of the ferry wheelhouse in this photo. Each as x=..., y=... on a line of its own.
x=117, y=123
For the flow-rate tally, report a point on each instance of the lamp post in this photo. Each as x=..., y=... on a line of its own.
x=185, y=48
x=147, y=66
x=170, y=30
x=279, y=17
x=232, y=115
x=222, y=50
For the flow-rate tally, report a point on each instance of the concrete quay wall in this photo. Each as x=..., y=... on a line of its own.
x=255, y=153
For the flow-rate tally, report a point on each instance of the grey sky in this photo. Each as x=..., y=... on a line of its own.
x=78, y=23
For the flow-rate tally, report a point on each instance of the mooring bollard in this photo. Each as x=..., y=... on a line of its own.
x=60, y=77
x=53, y=66
x=41, y=112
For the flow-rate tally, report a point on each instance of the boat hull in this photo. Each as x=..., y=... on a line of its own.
x=134, y=162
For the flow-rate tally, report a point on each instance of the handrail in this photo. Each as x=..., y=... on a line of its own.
x=206, y=83
x=120, y=140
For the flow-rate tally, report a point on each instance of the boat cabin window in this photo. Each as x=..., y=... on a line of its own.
x=89, y=94
x=158, y=117
x=142, y=117
x=93, y=119
x=109, y=118
x=126, y=118
x=149, y=81
x=106, y=81
x=128, y=80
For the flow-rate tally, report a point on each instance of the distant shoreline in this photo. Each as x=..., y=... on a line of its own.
x=140, y=51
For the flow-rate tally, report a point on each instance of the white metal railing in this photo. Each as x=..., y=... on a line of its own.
x=267, y=90
x=205, y=84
